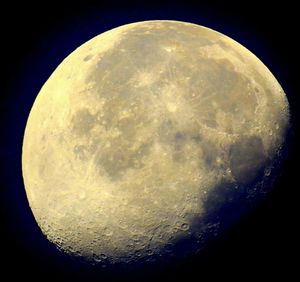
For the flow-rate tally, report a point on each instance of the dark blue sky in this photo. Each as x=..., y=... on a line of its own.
x=37, y=37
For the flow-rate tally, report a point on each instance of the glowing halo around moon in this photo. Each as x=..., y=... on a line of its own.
x=143, y=134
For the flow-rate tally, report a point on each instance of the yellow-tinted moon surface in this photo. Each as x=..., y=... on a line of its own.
x=142, y=134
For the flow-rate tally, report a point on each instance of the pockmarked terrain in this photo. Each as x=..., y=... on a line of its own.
x=143, y=134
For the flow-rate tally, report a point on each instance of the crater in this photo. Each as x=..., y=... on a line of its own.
x=87, y=58
x=80, y=152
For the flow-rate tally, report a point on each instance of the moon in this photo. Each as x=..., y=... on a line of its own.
x=148, y=138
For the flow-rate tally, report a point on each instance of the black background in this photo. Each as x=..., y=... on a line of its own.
x=35, y=38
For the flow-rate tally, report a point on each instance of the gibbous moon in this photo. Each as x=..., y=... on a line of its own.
x=147, y=139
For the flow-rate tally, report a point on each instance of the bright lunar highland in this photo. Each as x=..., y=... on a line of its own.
x=147, y=139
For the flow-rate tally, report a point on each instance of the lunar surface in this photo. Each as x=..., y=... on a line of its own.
x=148, y=139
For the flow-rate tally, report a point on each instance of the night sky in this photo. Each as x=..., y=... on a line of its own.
x=35, y=38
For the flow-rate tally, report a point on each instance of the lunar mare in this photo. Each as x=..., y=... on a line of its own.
x=138, y=131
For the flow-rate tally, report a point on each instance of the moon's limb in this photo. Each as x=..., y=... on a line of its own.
x=136, y=127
